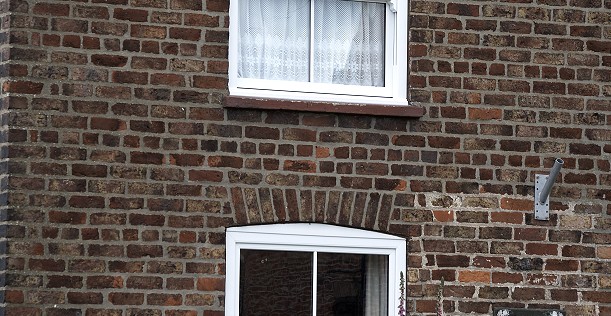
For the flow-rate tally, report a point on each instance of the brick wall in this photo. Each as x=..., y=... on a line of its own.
x=125, y=168
x=4, y=40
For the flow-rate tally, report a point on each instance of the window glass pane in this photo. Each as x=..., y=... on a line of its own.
x=352, y=285
x=275, y=283
x=349, y=42
x=274, y=39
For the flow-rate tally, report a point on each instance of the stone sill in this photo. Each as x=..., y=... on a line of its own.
x=328, y=107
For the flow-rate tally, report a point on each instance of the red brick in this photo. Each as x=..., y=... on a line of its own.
x=444, y=142
x=507, y=217
x=53, y=9
x=209, y=82
x=564, y=295
x=452, y=261
x=123, y=298
x=541, y=249
x=91, y=12
x=86, y=201
x=14, y=297
x=504, y=277
x=188, y=34
x=85, y=298
x=517, y=204
x=217, y=5
x=225, y=161
x=485, y=114
x=133, y=15
x=102, y=282
x=146, y=31
x=566, y=132
x=59, y=281
x=445, y=82
x=146, y=158
x=561, y=265
x=25, y=87
x=514, y=86
x=443, y=216
x=164, y=299
x=488, y=262
x=210, y=284
x=168, y=79
x=578, y=251
x=596, y=296
x=130, y=77
x=47, y=265
x=216, y=36
x=530, y=234
x=143, y=282
x=139, y=251
x=520, y=293
x=549, y=87
x=474, y=276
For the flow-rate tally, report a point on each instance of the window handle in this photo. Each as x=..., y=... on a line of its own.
x=392, y=5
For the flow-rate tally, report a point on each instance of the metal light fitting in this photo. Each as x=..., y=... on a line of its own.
x=543, y=187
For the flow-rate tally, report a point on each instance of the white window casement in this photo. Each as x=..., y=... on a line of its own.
x=312, y=269
x=345, y=51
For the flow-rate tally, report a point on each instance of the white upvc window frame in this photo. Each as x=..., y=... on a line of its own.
x=311, y=237
x=394, y=91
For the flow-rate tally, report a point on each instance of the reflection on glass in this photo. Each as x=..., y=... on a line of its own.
x=279, y=283
x=275, y=283
x=352, y=285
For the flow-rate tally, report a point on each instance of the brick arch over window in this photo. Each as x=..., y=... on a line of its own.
x=369, y=210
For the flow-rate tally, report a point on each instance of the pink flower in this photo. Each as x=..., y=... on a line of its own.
x=402, y=294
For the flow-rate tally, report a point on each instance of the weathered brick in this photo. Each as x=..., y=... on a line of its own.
x=122, y=298
x=561, y=265
x=84, y=298
x=452, y=261
x=133, y=15
x=521, y=293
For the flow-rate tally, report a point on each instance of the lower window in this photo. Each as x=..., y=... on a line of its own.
x=312, y=269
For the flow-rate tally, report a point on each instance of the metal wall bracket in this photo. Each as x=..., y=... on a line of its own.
x=541, y=209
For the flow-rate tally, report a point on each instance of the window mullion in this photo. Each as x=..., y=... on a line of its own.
x=314, y=281
x=311, y=57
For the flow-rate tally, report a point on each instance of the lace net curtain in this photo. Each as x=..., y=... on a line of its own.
x=347, y=43
x=376, y=294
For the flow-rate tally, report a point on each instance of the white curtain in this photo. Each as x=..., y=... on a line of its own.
x=376, y=286
x=348, y=41
x=274, y=39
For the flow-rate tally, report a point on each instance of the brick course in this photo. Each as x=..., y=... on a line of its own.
x=121, y=168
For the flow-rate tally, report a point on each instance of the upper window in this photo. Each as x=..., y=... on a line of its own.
x=319, y=50
x=312, y=269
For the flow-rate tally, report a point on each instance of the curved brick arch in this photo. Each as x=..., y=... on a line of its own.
x=347, y=208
